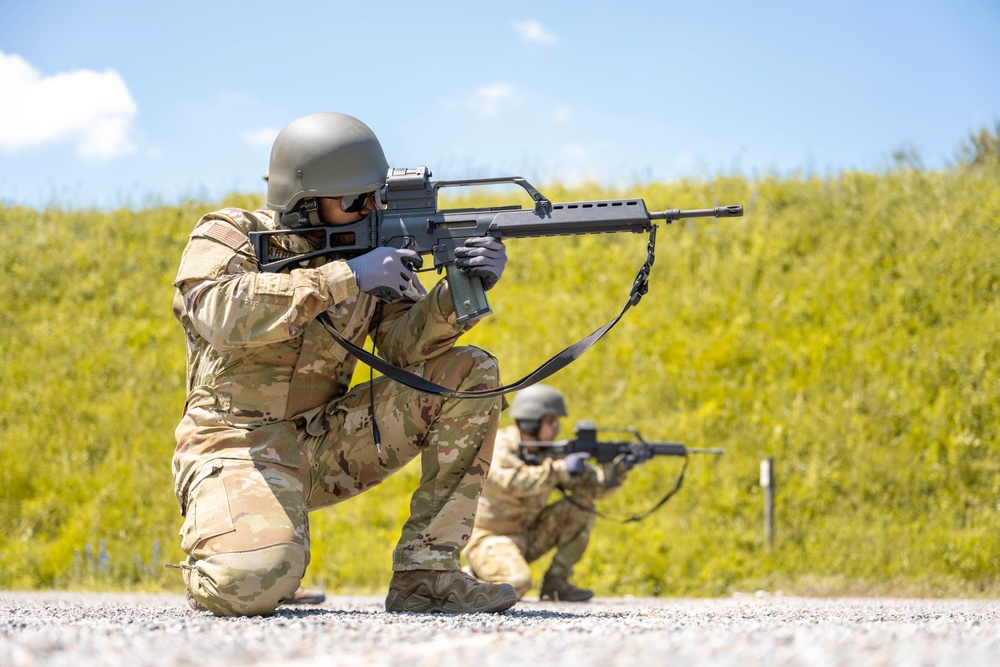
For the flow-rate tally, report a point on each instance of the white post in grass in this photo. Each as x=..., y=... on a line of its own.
x=767, y=484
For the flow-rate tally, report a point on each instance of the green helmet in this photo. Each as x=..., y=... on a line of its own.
x=537, y=401
x=324, y=154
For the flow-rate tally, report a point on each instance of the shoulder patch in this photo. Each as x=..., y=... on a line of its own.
x=224, y=234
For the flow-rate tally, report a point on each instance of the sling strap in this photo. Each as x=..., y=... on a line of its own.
x=633, y=517
x=639, y=288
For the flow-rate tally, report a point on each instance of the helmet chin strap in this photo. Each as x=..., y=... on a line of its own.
x=306, y=214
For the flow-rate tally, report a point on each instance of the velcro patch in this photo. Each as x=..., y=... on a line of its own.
x=224, y=234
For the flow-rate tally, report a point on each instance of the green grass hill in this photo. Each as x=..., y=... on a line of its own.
x=846, y=326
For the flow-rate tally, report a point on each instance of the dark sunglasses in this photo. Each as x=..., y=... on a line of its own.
x=354, y=203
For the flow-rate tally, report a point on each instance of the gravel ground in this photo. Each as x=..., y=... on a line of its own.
x=80, y=629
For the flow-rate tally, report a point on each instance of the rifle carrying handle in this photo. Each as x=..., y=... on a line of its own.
x=467, y=294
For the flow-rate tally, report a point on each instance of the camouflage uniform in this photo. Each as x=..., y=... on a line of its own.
x=271, y=432
x=516, y=524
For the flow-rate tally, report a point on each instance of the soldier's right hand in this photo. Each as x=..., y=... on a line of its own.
x=575, y=463
x=385, y=272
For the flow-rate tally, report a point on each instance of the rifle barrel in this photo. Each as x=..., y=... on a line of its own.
x=668, y=448
x=678, y=449
x=735, y=211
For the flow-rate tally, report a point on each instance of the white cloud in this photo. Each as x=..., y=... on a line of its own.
x=262, y=136
x=532, y=31
x=92, y=111
x=488, y=100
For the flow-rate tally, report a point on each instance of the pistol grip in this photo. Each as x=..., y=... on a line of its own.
x=467, y=294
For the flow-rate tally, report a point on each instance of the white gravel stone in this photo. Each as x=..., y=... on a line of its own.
x=118, y=630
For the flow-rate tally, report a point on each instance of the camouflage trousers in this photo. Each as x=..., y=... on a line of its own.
x=246, y=528
x=561, y=526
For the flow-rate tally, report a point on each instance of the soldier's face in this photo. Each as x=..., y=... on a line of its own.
x=549, y=429
x=332, y=213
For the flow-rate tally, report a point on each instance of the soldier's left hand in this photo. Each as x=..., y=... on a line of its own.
x=483, y=256
x=639, y=454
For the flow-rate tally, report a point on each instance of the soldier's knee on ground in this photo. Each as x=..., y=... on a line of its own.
x=521, y=581
x=247, y=583
x=488, y=567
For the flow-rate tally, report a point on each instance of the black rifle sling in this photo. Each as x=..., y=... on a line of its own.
x=639, y=287
x=634, y=517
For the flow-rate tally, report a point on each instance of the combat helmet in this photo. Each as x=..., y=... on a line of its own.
x=325, y=154
x=537, y=401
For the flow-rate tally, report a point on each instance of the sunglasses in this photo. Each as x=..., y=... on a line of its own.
x=354, y=203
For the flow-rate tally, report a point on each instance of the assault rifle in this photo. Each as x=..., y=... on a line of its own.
x=636, y=449
x=407, y=216
x=586, y=440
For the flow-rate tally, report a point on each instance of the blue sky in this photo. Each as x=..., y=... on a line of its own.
x=124, y=103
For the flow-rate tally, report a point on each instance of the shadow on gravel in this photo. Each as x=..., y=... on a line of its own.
x=323, y=613
x=331, y=614
x=525, y=613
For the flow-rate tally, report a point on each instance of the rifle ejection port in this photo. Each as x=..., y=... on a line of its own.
x=454, y=224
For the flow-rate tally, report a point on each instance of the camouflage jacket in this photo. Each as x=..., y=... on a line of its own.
x=256, y=356
x=516, y=492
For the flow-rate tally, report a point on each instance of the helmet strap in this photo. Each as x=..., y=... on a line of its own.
x=306, y=214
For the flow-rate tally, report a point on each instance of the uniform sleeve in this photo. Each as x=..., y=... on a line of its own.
x=612, y=476
x=521, y=480
x=231, y=305
x=592, y=481
x=409, y=332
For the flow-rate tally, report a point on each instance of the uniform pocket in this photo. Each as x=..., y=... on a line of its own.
x=207, y=514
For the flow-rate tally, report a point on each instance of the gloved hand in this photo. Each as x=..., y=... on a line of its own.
x=639, y=454
x=483, y=256
x=576, y=463
x=385, y=272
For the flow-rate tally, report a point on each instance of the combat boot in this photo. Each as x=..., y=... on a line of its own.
x=558, y=589
x=306, y=596
x=194, y=604
x=446, y=592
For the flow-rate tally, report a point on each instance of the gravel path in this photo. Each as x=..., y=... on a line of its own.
x=80, y=629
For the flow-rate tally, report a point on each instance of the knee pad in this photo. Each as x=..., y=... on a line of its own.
x=519, y=578
x=247, y=583
x=500, y=562
x=521, y=581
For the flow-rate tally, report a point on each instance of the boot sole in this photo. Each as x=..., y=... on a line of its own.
x=419, y=603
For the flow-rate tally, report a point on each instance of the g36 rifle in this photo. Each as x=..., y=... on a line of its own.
x=408, y=216
x=633, y=450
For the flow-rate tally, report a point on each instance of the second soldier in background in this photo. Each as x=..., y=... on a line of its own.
x=516, y=524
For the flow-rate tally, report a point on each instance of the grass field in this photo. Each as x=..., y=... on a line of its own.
x=846, y=326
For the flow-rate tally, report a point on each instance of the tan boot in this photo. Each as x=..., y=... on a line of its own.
x=194, y=604
x=558, y=589
x=307, y=596
x=446, y=592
